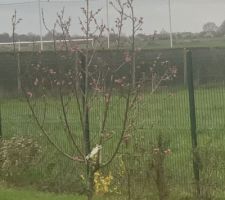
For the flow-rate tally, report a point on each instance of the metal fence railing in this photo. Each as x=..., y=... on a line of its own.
x=162, y=122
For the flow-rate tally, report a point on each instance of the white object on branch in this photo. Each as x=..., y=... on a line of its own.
x=94, y=152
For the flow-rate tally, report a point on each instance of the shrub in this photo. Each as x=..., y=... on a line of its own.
x=17, y=155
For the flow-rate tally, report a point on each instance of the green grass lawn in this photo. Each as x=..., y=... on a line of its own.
x=165, y=113
x=22, y=194
x=28, y=194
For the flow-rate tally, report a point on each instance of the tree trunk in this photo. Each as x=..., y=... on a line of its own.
x=133, y=53
x=86, y=131
x=90, y=184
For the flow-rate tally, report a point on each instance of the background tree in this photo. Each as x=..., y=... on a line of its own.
x=210, y=27
x=119, y=6
x=221, y=29
x=136, y=24
x=15, y=21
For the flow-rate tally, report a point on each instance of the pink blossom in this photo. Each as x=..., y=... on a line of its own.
x=29, y=94
x=119, y=81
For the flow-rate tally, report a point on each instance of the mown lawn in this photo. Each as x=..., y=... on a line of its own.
x=22, y=194
x=31, y=194
x=28, y=194
x=165, y=113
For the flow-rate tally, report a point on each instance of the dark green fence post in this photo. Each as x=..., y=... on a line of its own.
x=185, y=67
x=19, y=87
x=0, y=120
x=190, y=84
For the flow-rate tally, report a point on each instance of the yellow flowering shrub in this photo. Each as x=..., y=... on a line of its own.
x=102, y=183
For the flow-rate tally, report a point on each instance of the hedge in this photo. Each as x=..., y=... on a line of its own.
x=209, y=63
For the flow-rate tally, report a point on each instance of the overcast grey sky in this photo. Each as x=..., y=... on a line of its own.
x=187, y=15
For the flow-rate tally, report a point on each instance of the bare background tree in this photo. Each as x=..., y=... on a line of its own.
x=15, y=21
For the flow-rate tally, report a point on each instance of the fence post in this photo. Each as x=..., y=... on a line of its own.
x=18, y=73
x=1, y=120
x=185, y=67
x=77, y=64
x=190, y=85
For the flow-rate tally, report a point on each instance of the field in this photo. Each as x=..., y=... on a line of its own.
x=164, y=113
x=185, y=43
x=149, y=44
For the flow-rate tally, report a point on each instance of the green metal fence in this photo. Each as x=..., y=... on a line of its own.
x=177, y=140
